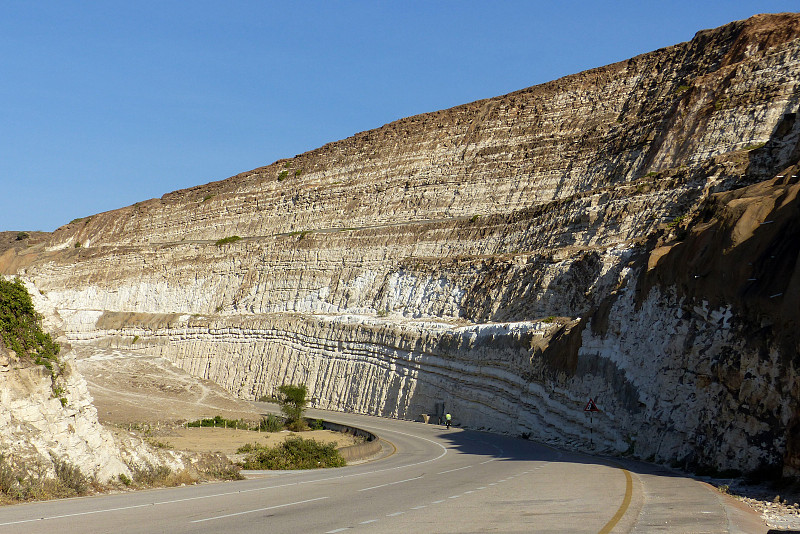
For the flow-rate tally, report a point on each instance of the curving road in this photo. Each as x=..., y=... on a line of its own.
x=430, y=480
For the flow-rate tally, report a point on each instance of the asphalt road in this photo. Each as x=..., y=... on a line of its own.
x=430, y=480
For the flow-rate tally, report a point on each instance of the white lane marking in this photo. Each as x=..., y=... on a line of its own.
x=77, y=514
x=337, y=530
x=456, y=469
x=437, y=502
x=454, y=496
x=224, y=494
x=468, y=492
x=395, y=514
x=391, y=483
x=481, y=487
x=420, y=507
x=264, y=488
x=368, y=521
x=134, y=506
x=259, y=510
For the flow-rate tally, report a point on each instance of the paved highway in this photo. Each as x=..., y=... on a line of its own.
x=431, y=480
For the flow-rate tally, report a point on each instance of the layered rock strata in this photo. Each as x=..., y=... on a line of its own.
x=506, y=259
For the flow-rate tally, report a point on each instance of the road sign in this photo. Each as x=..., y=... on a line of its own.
x=591, y=406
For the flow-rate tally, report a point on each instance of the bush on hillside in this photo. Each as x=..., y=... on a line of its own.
x=20, y=325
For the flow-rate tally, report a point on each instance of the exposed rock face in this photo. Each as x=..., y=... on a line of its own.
x=37, y=428
x=510, y=258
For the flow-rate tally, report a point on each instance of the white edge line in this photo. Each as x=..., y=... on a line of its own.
x=76, y=514
x=223, y=494
x=456, y=469
x=391, y=483
x=258, y=510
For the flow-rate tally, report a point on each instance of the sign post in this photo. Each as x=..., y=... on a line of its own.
x=590, y=408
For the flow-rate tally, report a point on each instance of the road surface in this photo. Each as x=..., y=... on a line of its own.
x=430, y=480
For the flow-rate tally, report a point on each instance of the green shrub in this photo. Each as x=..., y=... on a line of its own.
x=70, y=476
x=221, y=469
x=295, y=453
x=22, y=235
x=150, y=475
x=208, y=197
x=293, y=404
x=20, y=325
x=247, y=447
x=676, y=221
x=219, y=422
x=271, y=423
x=226, y=240
x=7, y=477
x=282, y=175
x=125, y=479
x=300, y=233
x=317, y=424
x=755, y=146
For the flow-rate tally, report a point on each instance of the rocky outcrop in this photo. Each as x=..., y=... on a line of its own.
x=508, y=259
x=39, y=428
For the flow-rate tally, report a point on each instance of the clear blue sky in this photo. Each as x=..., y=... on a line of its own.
x=107, y=103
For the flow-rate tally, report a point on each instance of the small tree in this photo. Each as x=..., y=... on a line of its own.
x=293, y=403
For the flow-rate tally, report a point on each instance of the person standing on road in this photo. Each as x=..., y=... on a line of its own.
x=447, y=420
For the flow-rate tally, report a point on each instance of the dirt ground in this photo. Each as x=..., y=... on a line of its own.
x=133, y=391
x=226, y=441
x=129, y=387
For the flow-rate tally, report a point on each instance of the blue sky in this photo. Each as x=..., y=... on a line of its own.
x=107, y=103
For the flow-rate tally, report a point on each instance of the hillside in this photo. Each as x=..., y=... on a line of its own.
x=627, y=234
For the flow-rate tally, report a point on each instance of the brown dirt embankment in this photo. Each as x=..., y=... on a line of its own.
x=136, y=391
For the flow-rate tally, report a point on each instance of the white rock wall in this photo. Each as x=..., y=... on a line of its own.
x=36, y=426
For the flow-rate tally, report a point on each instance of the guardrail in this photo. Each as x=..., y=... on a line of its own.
x=360, y=451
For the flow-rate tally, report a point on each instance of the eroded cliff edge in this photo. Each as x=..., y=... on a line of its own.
x=627, y=233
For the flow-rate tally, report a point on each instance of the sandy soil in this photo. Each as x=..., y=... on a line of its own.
x=130, y=387
x=227, y=441
x=133, y=391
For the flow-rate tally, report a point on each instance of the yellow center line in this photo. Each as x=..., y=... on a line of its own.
x=622, y=507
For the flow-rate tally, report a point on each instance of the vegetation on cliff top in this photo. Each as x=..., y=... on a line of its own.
x=20, y=325
x=21, y=331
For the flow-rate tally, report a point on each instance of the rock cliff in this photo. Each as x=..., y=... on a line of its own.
x=39, y=431
x=627, y=233
x=49, y=425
